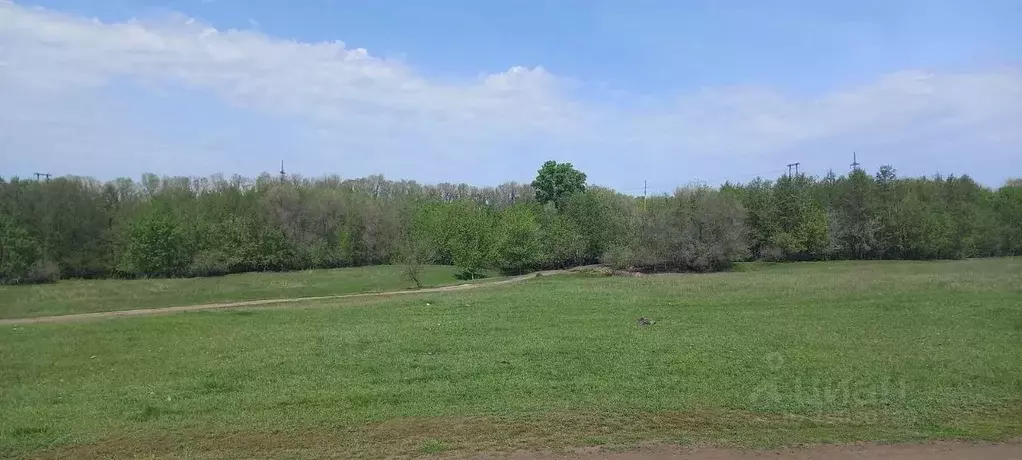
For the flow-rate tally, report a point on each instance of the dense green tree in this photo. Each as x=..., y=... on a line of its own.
x=1008, y=207
x=858, y=227
x=762, y=223
x=695, y=229
x=967, y=211
x=516, y=241
x=801, y=224
x=157, y=245
x=556, y=181
x=562, y=242
x=599, y=217
x=18, y=253
x=471, y=236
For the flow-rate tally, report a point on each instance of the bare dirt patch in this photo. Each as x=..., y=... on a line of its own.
x=709, y=435
x=925, y=451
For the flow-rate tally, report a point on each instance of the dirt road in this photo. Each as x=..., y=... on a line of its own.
x=925, y=451
x=266, y=302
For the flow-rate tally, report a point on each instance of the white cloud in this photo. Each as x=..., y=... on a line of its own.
x=57, y=69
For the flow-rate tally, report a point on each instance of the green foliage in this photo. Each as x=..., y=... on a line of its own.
x=855, y=213
x=800, y=227
x=17, y=251
x=157, y=246
x=1008, y=208
x=470, y=229
x=417, y=250
x=176, y=226
x=600, y=218
x=517, y=240
x=696, y=229
x=562, y=242
x=208, y=263
x=20, y=260
x=557, y=181
x=859, y=216
x=432, y=228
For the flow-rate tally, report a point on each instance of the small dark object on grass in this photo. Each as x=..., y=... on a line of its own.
x=643, y=321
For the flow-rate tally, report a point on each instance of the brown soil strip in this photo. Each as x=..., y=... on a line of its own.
x=698, y=435
x=925, y=451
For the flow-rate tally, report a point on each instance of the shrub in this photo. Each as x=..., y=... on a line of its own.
x=208, y=263
x=516, y=245
x=43, y=271
x=694, y=230
x=619, y=257
x=157, y=246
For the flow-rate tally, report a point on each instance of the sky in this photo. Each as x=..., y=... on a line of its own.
x=665, y=92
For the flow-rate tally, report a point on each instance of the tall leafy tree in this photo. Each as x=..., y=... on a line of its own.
x=856, y=215
x=470, y=237
x=801, y=231
x=556, y=181
x=18, y=252
x=157, y=245
x=1008, y=206
x=516, y=244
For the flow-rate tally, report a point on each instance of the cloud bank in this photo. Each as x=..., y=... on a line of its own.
x=179, y=97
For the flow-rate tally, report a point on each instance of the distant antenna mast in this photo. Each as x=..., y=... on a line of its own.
x=855, y=162
x=283, y=175
x=644, y=185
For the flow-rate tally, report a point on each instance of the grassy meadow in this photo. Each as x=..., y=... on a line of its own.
x=769, y=355
x=87, y=296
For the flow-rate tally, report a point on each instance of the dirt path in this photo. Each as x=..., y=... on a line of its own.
x=924, y=451
x=256, y=303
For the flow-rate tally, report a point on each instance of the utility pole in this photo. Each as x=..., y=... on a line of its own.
x=46, y=175
x=283, y=176
x=855, y=162
x=795, y=164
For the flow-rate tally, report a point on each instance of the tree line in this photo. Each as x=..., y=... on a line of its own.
x=77, y=227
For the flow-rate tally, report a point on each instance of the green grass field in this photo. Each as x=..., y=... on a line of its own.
x=773, y=355
x=85, y=296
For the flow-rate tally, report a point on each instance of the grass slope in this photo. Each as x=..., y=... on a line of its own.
x=784, y=354
x=86, y=296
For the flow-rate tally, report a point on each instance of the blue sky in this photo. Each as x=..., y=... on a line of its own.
x=482, y=92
